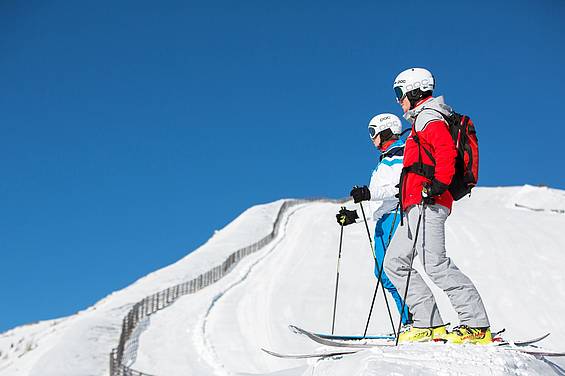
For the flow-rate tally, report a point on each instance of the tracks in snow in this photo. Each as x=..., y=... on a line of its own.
x=201, y=337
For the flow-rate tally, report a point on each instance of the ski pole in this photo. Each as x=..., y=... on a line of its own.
x=378, y=279
x=380, y=268
x=337, y=274
x=409, y=272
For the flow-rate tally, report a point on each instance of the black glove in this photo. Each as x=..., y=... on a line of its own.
x=431, y=190
x=346, y=217
x=360, y=194
x=427, y=199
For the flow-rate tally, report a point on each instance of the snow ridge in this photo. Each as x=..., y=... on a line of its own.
x=509, y=240
x=125, y=354
x=514, y=256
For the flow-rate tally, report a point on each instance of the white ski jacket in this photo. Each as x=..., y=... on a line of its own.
x=384, y=180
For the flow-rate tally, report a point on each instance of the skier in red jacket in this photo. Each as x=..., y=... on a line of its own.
x=429, y=165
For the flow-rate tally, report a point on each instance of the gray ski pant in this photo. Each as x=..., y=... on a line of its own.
x=462, y=293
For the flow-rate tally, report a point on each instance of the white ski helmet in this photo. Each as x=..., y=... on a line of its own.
x=383, y=122
x=412, y=79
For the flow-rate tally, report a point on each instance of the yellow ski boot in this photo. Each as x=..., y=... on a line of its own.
x=412, y=334
x=464, y=334
x=439, y=333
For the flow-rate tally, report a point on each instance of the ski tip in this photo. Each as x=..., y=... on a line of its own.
x=268, y=352
x=295, y=329
x=542, y=337
x=275, y=354
x=545, y=336
x=307, y=356
x=542, y=354
x=534, y=340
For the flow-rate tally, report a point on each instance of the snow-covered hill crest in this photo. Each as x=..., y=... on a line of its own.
x=510, y=241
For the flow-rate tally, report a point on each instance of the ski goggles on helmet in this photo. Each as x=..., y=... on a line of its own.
x=399, y=93
x=373, y=131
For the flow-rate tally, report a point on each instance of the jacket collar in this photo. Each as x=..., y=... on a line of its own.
x=396, y=144
x=386, y=146
x=436, y=103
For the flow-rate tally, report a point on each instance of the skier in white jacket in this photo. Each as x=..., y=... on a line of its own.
x=384, y=130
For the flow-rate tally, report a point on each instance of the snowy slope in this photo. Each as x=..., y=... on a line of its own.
x=515, y=255
x=80, y=344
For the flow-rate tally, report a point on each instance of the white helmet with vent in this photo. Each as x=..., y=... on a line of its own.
x=412, y=79
x=383, y=122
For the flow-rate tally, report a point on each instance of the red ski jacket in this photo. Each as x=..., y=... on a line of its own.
x=434, y=136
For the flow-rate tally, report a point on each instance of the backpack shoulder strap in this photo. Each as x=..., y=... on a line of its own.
x=416, y=139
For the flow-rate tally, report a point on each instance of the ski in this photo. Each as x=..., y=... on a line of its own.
x=308, y=356
x=353, y=338
x=335, y=343
x=519, y=346
x=378, y=337
x=368, y=343
x=499, y=341
x=538, y=352
x=529, y=342
x=337, y=354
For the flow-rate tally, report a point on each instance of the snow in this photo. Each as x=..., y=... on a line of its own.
x=539, y=199
x=495, y=243
x=433, y=360
x=514, y=254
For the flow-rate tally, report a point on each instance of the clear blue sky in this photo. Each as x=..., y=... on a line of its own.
x=130, y=131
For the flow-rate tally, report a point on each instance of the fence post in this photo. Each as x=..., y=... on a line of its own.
x=112, y=369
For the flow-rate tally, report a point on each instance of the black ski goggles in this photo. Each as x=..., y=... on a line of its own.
x=399, y=94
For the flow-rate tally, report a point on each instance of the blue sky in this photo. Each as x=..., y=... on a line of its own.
x=130, y=131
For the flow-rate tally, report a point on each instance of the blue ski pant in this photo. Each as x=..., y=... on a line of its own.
x=384, y=231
